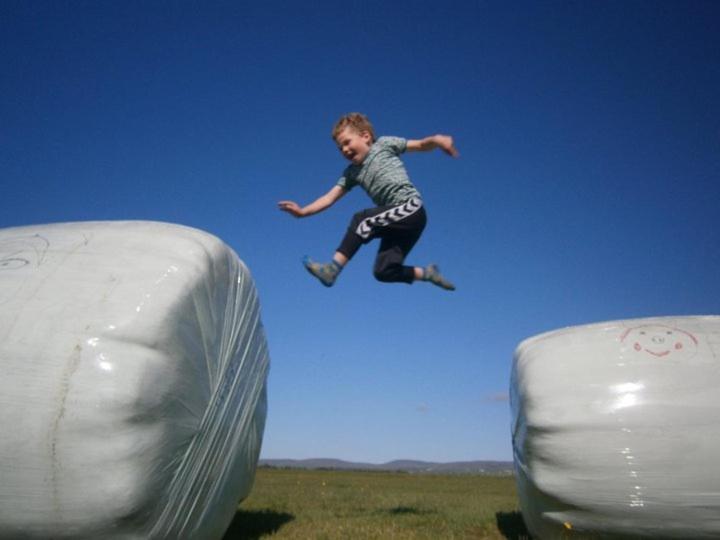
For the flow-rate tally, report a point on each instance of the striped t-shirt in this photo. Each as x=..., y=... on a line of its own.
x=382, y=174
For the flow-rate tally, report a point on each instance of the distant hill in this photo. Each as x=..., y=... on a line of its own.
x=403, y=465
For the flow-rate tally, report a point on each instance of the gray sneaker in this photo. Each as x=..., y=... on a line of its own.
x=325, y=272
x=432, y=274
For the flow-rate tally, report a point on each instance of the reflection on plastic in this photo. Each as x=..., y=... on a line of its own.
x=133, y=389
x=627, y=395
x=615, y=429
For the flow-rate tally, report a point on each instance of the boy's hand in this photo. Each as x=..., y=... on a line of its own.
x=330, y=198
x=443, y=142
x=446, y=144
x=291, y=208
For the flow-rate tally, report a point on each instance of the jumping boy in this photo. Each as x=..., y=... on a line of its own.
x=399, y=216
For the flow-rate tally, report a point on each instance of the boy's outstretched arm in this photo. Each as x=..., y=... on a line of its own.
x=320, y=204
x=443, y=142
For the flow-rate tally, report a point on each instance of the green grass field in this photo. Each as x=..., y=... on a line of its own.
x=356, y=505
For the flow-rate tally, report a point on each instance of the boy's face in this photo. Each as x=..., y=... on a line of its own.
x=354, y=145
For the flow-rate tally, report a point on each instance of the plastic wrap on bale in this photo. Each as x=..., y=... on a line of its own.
x=616, y=429
x=133, y=388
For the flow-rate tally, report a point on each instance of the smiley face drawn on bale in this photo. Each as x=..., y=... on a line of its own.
x=660, y=341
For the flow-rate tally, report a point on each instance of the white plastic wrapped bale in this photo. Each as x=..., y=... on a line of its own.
x=133, y=388
x=616, y=429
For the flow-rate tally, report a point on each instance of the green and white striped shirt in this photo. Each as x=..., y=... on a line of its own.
x=382, y=174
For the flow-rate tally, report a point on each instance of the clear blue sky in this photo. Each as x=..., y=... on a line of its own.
x=588, y=186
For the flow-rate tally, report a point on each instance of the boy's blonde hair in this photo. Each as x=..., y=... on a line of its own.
x=358, y=121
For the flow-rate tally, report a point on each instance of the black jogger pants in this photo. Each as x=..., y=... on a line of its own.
x=399, y=227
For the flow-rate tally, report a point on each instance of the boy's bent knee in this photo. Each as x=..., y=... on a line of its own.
x=384, y=275
x=390, y=274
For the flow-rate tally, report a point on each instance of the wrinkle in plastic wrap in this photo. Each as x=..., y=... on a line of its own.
x=616, y=429
x=133, y=388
